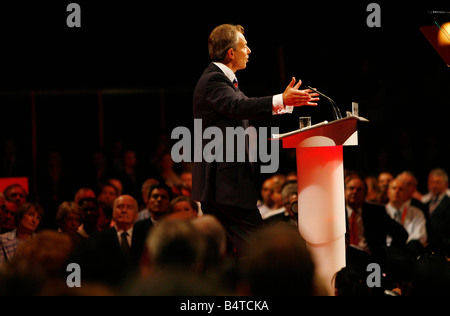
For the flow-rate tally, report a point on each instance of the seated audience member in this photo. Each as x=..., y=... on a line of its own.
x=28, y=218
x=221, y=270
x=183, y=207
x=436, y=182
x=83, y=193
x=368, y=226
x=7, y=222
x=108, y=194
x=383, y=183
x=216, y=237
x=50, y=251
x=372, y=188
x=111, y=255
x=431, y=277
x=186, y=183
x=145, y=191
x=38, y=266
x=292, y=177
x=174, y=245
x=69, y=219
x=266, y=205
x=173, y=262
x=158, y=204
x=90, y=209
x=276, y=214
x=15, y=193
x=413, y=197
x=105, y=218
x=278, y=263
x=349, y=281
x=438, y=220
x=117, y=184
x=410, y=217
x=289, y=194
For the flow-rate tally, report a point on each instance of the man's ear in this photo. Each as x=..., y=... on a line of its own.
x=230, y=55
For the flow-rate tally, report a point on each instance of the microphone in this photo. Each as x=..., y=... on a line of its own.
x=336, y=111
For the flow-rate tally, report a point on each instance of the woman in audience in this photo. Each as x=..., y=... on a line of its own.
x=28, y=218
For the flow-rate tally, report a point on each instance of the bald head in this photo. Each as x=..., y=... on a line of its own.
x=125, y=211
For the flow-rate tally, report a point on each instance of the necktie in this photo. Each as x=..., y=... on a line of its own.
x=124, y=244
x=235, y=83
x=398, y=216
x=433, y=203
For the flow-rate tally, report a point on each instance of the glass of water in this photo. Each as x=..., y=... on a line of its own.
x=305, y=121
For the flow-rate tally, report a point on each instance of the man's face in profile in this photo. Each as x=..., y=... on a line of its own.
x=242, y=52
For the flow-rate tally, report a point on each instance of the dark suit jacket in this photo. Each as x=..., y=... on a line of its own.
x=218, y=103
x=438, y=225
x=101, y=258
x=377, y=225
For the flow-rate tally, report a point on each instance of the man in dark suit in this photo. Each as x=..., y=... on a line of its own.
x=227, y=189
x=438, y=212
x=112, y=255
x=368, y=225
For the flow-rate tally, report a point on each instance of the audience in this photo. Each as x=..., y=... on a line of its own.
x=413, y=196
x=277, y=263
x=110, y=255
x=368, y=226
x=266, y=204
x=158, y=205
x=382, y=185
x=277, y=213
x=438, y=216
x=69, y=218
x=289, y=194
x=7, y=222
x=410, y=217
x=183, y=207
x=16, y=194
x=156, y=241
x=349, y=281
x=28, y=217
x=89, y=209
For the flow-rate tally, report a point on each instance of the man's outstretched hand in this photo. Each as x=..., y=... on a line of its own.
x=292, y=96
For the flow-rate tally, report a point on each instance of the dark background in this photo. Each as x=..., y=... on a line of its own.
x=141, y=61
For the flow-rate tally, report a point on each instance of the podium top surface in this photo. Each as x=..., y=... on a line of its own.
x=339, y=132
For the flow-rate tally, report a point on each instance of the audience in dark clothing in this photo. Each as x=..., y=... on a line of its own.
x=176, y=250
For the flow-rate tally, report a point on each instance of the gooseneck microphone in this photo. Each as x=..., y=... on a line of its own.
x=336, y=111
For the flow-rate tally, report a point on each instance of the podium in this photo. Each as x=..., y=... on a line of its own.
x=321, y=199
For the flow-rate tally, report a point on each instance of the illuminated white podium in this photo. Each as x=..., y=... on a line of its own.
x=321, y=199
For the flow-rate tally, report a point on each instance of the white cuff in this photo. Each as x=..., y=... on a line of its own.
x=278, y=105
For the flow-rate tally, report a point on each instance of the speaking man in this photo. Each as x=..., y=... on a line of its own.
x=227, y=189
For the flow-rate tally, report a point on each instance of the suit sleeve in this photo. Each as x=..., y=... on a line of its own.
x=396, y=231
x=222, y=97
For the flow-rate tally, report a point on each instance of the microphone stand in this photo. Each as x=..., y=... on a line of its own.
x=336, y=111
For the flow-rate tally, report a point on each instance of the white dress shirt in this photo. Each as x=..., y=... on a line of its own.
x=277, y=100
x=412, y=220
